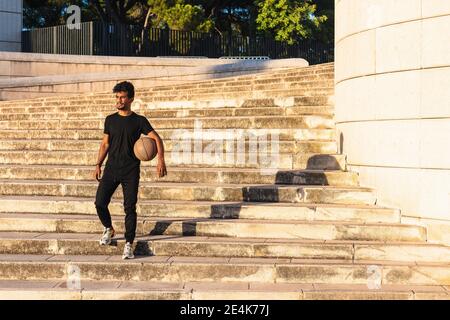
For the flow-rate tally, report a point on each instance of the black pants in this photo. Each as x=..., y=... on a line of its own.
x=130, y=185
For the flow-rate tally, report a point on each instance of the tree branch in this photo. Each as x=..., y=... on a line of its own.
x=100, y=10
x=112, y=11
x=130, y=5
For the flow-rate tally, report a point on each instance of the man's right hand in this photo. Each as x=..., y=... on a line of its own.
x=98, y=172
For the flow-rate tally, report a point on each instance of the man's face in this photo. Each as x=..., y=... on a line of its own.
x=122, y=100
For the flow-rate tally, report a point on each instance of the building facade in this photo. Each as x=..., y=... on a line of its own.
x=10, y=25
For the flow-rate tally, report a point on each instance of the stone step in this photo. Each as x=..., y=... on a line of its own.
x=312, y=81
x=239, y=111
x=134, y=290
x=323, y=79
x=100, y=113
x=326, y=97
x=292, y=77
x=194, y=175
x=211, y=134
x=223, y=270
x=197, y=246
x=261, y=122
x=221, y=94
x=229, y=145
x=304, y=83
x=93, y=104
x=98, y=102
x=324, y=73
x=266, y=162
x=316, y=80
x=229, y=90
x=205, y=209
x=197, y=192
x=234, y=228
x=295, y=72
x=313, y=194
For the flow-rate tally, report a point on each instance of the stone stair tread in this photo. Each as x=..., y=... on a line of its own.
x=103, y=113
x=249, y=91
x=195, y=118
x=144, y=219
x=174, y=168
x=89, y=140
x=96, y=134
x=215, y=203
x=170, y=260
x=107, y=97
x=47, y=289
x=190, y=185
x=152, y=162
x=42, y=236
x=89, y=285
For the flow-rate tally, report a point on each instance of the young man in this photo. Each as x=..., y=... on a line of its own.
x=122, y=129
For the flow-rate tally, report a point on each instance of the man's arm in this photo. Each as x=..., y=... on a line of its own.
x=161, y=168
x=102, y=152
x=159, y=143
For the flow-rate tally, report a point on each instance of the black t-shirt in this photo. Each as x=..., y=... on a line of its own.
x=123, y=132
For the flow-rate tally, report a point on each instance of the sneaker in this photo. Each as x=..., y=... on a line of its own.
x=128, y=251
x=108, y=233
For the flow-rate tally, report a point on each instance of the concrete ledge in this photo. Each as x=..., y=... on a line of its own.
x=143, y=61
x=36, y=64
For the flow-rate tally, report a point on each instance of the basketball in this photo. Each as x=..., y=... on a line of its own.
x=145, y=149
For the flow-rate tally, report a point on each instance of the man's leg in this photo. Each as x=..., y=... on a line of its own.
x=130, y=187
x=108, y=184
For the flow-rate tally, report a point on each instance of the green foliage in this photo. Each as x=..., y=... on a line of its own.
x=177, y=15
x=288, y=20
x=326, y=29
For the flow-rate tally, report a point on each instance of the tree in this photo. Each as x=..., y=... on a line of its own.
x=326, y=29
x=178, y=15
x=288, y=20
x=231, y=16
x=188, y=18
x=119, y=11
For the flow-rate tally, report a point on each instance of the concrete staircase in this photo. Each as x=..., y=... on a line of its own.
x=214, y=227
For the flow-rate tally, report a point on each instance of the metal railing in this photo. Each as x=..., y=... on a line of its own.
x=97, y=38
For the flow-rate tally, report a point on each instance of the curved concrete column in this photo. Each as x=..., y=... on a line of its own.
x=393, y=103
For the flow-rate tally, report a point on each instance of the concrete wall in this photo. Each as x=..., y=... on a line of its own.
x=14, y=64
x=393, y=103
x=10, y=25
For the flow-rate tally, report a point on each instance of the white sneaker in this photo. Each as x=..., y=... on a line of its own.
x=128, y=251
x=108, y=234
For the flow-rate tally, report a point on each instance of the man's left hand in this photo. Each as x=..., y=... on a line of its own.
x=161, y=168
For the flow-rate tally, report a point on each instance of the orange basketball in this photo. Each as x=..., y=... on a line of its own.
x=145, y=149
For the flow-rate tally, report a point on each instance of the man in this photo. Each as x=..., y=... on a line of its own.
x=122, y=129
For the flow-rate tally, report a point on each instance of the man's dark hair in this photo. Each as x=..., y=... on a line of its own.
x=125, y=86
